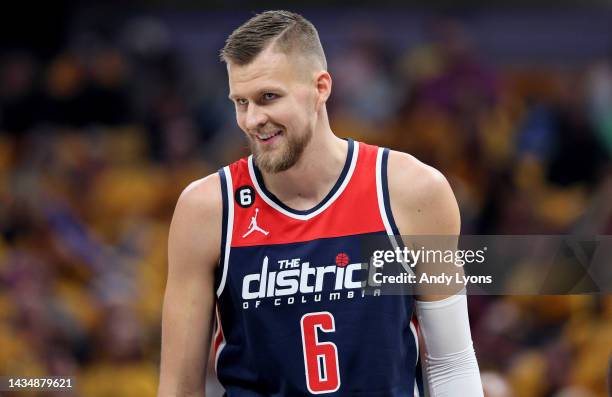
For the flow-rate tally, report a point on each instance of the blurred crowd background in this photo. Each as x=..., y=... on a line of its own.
x=107, y=112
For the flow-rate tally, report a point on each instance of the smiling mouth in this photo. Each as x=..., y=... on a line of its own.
x=267, y=137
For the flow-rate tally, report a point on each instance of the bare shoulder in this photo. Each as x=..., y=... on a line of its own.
x=195, y=232
x=202, y=196
x=422, y=201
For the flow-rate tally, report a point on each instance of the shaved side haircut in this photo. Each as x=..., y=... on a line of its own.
x=288, y=32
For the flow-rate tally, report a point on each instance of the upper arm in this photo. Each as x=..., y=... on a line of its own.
x=423, y=205
x=193, y=254
x=422, y=200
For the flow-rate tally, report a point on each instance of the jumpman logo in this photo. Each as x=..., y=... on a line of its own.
x=253, y=226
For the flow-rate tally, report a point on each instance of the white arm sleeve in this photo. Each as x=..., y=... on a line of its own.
x=449, y=360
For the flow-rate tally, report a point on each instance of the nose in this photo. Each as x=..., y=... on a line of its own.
x=255, y=117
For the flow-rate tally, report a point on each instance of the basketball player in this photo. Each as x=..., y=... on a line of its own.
x=267, y=249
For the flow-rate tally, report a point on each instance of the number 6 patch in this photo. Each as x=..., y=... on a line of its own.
x=245, y=196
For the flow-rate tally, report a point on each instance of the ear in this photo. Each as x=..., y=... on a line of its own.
x=323, y=83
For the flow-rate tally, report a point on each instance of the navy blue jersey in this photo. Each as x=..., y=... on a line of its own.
x=292, y=316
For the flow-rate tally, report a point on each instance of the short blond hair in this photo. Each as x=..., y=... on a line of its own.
x=289, y=32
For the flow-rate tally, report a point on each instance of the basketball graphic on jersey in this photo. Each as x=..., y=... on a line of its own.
x=342, y=259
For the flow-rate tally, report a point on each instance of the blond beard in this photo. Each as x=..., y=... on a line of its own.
x=283, y=157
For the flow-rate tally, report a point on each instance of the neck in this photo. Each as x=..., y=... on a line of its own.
x=306, y=183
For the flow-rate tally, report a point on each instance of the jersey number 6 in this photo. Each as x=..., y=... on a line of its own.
x=320, y=358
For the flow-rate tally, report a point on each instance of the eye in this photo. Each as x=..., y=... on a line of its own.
x=241, y=101
x=268, y=96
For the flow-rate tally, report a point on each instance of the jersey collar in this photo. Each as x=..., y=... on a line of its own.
x=334, y=193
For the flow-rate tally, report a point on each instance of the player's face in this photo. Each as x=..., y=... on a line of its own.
x=275, y=101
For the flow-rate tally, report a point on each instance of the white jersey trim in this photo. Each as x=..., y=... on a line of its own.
x=223, y=342
x=381, y=205
x=230, y=227
x=380, y=196
x=416, y=341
